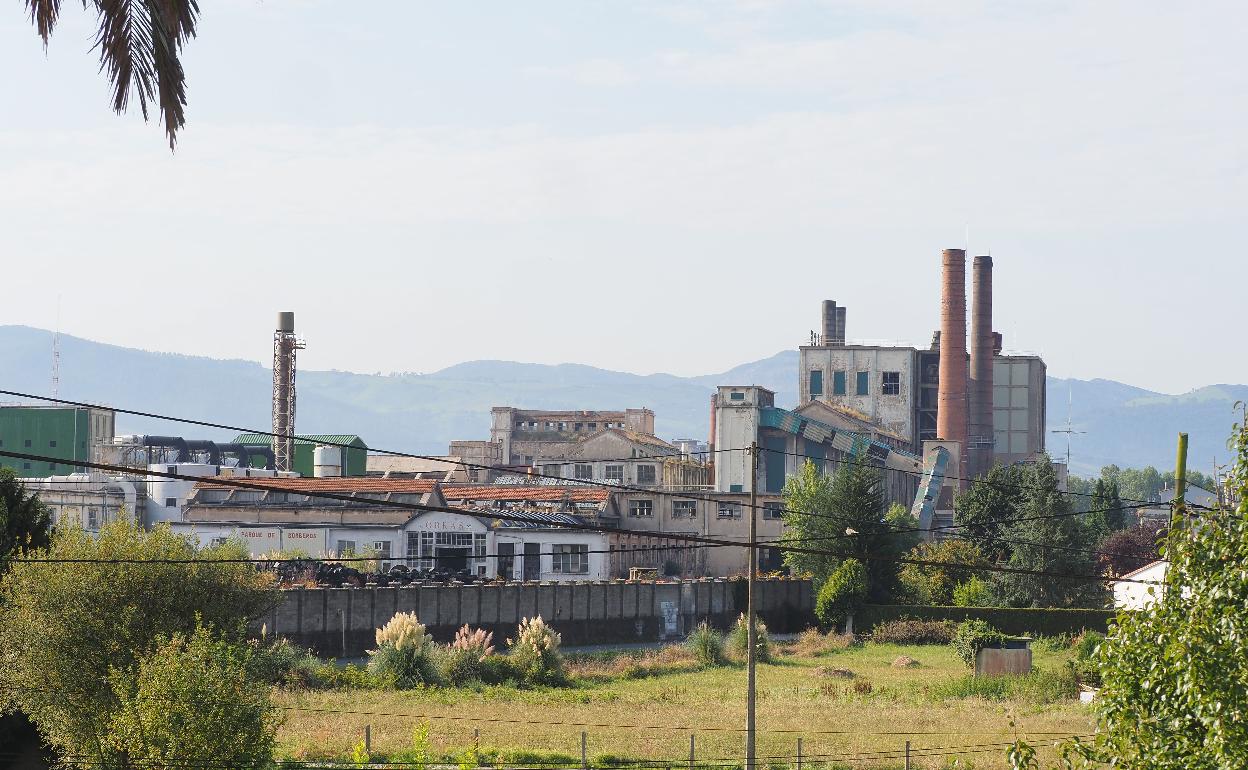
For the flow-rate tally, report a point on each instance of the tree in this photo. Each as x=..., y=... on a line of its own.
x=1174, y=675
x=841, y=594
x=843, y=516
x=1129, y=549
x=25, y=524
x=140, y=44
x=930, y=584
x=190, y=701
x=65, y=627
x=1046, y=539
x=985, y=510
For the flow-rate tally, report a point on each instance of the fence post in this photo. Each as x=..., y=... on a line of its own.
x=799, y=753
x=368, y=739
x=907, y=755
x=584, y=754
x=691, y=748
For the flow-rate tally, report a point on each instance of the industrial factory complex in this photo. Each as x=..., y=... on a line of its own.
x=513, y=505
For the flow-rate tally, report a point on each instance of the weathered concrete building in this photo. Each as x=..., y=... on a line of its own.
x=529, y=435
x=619, y=456
x=89, y=500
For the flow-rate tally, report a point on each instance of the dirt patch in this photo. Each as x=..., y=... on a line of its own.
x=905, y=661
x=834, y=673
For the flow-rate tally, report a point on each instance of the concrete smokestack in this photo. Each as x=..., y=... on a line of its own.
x=983, y=345
x=833, y=327
x=951, y=402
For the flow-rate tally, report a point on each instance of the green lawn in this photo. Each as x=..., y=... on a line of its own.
x=652, y=717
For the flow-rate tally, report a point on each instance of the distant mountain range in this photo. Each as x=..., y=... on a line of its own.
x=1124, y=425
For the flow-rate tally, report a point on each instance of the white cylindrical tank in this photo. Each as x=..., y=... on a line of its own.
x=326, y=461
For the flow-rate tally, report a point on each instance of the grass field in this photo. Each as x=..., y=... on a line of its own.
x=846, y=703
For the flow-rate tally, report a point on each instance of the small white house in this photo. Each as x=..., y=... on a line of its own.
x=1138, y=595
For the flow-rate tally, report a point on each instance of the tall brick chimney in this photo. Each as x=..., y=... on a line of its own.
x=980, y=454
x=951, y=402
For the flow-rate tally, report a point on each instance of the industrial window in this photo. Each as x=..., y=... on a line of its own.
x=52, y=444
x=640, y=507
x=346, y=549
x=728, y=511
x=51, y=466
x=816, y=382
x=838, y=383
x=684, y=509
x=645, y=474
x=863, y=384
x=382, y=548
x=773, y=510
x=890, y=383
x=25, y=466
x=584, y=471
x=171, y=502
x=27, y=442
x=593, y=426
x=735, y=488
x=578, y=425
x=93, y=518
x=615, y=473
x=569, y=558
x=737, y=396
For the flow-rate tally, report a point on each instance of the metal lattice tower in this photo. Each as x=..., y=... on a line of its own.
x=285, y=343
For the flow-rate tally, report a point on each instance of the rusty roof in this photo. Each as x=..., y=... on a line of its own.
x=508, y=492
x=343, y=484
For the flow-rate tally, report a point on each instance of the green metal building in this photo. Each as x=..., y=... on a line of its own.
x=68, y=434
x=354, y=451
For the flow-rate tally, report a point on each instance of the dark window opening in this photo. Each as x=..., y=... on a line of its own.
x=890, y=383
x=838, y=383
x=816, y=382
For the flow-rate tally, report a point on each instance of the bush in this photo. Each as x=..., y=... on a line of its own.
x=841, y=594
x=912, y=631
x=462, y=658
x=1085, y=664
x=812, y=643
x=707, y=645
x=282, y=663
x=497, y=669
x=405, y=656
x=739, y=639
x=1031, y=621
x=535, y=653
x=972, y=593
x=972, y=636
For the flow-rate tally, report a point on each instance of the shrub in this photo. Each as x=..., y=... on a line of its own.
x=1029, y=620
x=813, y=642
x=912, y=631
x=1085, y=664
x=283, y=663
x=739, y=639
x=535, y=653
x=707, y=645
x=972, y=636
x=841, y=594
x=972, y=593
x=462, y=659
x=405, y=655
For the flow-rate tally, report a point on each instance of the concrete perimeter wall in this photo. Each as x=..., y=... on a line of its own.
x=342, y=621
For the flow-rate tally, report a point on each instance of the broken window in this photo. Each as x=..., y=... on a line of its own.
x=684, y=509
x=645, y=474
x=728, y=511
x=773, y=510
x=890, y=383
x=615, y=473
x=584, y=471
x=346, y=549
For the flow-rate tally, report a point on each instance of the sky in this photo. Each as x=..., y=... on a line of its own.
x=642, y=186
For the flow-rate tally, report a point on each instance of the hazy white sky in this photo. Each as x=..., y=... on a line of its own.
x=649, y=186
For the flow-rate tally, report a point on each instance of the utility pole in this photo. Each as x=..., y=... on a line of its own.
x=1180, y=481
x=751, y=655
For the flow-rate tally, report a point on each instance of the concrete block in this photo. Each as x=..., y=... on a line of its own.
x=545, y=600
x=564, y=600
x=469, y=606
x=449, y=598
x=596, y=601
x=408, y=599
x=998, y=662
x=428, y=612
x=614, y=600
x=488, y=604
x=509, y=604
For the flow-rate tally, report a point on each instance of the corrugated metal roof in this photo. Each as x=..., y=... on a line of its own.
x=316, y=438
x=507, y=492
x=344, y=484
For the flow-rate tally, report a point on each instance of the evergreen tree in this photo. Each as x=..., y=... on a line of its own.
x=984, y=511
x=1115, y=516
x=25, y=524
x=1046, y=540
x=1096, y=520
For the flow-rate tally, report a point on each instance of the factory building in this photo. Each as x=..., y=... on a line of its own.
x=68, y=434
x=619, y=456
x=526, y=436
x=89, y=500
x=987, y=405
x=352, y=450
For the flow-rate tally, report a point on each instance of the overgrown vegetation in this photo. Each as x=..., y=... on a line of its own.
x=912, y=631
x=971, y=636
x=739, y=639
x=841, y=594
x=404, y=657
x=707, y=645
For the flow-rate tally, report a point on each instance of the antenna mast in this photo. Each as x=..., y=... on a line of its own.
x=56, y=352
x=1069, y=430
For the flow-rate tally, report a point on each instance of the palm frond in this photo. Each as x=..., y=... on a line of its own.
x=43, y=14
